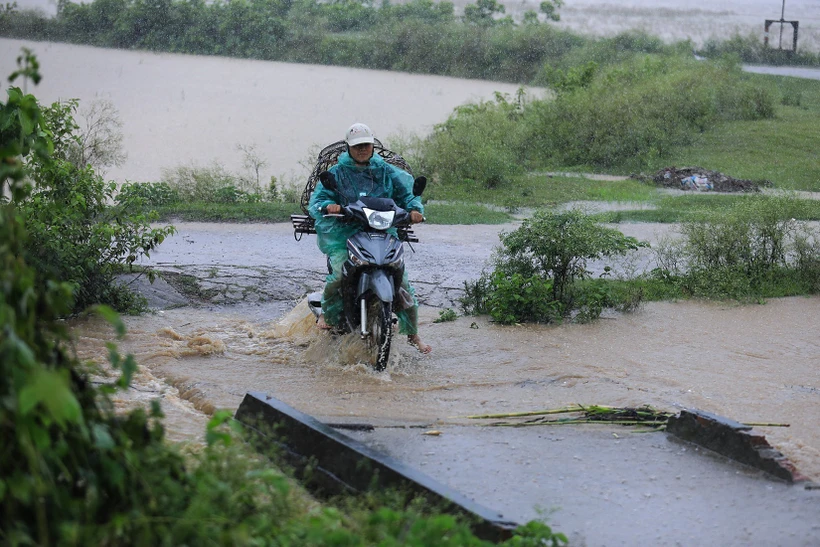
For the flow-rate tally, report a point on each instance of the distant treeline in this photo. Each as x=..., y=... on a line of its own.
x=421, y=36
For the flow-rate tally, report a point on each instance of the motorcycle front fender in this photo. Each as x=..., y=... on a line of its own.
x=379, y=282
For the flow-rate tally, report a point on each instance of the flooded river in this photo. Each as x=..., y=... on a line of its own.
x=179, y=110
x=695, y=20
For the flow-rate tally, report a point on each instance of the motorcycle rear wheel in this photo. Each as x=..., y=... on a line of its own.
x=380, y=327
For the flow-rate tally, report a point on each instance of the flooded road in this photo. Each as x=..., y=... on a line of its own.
x=755, y=363
x=750, y=363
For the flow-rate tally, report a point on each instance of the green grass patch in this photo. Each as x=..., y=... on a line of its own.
x=783, y=149
x=698, y=206
x=542, y=190
x=228, y=212
x=463, y=213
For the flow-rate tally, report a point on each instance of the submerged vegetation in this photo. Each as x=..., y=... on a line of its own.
x=750, y=249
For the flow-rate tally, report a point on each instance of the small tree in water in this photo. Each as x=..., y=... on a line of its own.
x=538, y=266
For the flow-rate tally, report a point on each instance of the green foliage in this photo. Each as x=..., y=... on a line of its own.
x=550, y=9
x=735, y=253
x=557, y=246
x=446, y=315
x=750, y=49
x=194, y=183
x=476, y=146
x=74, y=234
x=212, y=184
x=23, y=130
x=228, y=212
x=474, y=300
x=483, y=12
x=151, y=194
x=539, y=269
x=572, y=79
x=632, y=113
x=68, y=465
x=232, y=194
x=518, y=299
x=788, y=139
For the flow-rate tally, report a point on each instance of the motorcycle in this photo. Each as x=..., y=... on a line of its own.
x=372, y=275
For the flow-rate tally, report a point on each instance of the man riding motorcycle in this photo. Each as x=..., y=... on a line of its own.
x=359, y=172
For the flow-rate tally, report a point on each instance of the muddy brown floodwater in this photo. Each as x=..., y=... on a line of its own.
x=751, y=363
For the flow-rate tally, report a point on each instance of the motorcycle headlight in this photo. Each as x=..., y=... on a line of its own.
x=379, y=220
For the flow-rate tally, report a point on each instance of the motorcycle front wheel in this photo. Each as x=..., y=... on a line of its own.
x=380, y=327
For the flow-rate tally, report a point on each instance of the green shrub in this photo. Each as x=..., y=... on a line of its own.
x=151, y=194
x=539, y=269
x=477, y=146
x=738, y=252
x=230, y=194
x=75, y=234
x=636, y=111
x=557, y=246
x=213, y=184
x=474, y=300
x=750, y=49
x=518, y=299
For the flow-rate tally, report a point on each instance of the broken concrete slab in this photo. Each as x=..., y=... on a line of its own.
x=340, y=464
x=733, y=440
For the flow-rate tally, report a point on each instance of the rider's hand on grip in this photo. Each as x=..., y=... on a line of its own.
x=416, y=217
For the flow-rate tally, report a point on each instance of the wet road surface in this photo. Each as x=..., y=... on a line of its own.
x=601, y=485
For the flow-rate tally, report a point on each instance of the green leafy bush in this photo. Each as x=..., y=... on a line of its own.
x=477, y=145
x=636, y=111
x=151, y=194
x=538, y=268
x=74, y=233
x=196, y=183
x=750, y=49
x=736, y=252
x=518, y=299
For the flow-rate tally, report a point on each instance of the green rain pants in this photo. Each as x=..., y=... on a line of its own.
x=333, y=306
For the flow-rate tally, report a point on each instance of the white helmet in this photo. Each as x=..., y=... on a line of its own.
x=359, y=133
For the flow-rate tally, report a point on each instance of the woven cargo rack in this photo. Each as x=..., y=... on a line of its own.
x=328, y=157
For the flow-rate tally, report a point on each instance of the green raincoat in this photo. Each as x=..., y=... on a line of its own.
x=377, y=179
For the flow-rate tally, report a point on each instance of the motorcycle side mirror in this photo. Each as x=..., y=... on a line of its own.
x=328, y=180
x=419, y=185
